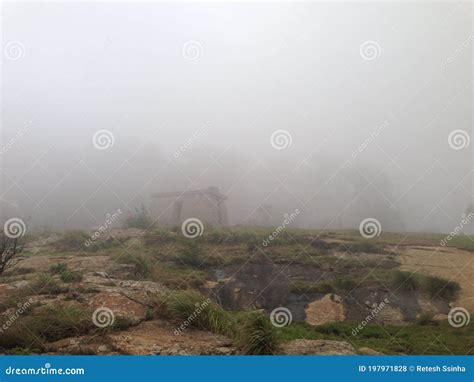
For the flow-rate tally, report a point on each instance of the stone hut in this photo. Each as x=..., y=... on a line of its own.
x=207, y=205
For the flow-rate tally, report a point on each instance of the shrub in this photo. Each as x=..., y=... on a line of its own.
x=69, y=276
x=257, y=335
x=65, y=274
x=195, y=309
x=404, y=281
x=191, y=254
x=45, y=284
x=57, y=268
x=45, y=325
x=141, y=263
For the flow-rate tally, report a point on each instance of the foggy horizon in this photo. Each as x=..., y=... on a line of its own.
x=343, y=111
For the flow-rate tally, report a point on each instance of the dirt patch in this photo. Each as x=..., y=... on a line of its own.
x=328, y=309
x=448, y=263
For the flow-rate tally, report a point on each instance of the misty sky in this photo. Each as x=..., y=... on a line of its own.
x=192, y=93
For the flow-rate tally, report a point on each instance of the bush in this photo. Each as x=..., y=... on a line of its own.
x=191, y=254
x=45, y=284
x=47, y=324
x=194, y=308
x=57, y=268
x=256, y=335
x=68, y=276
x=65, y=274
x=141, y=263
x=404, y=281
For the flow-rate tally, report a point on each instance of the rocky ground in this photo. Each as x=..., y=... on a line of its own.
x=321, y=280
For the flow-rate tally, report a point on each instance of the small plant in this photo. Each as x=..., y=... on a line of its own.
x=141, y=264
x=57, y=268
x=138, y=219
x=191, y=253
x=65, y=274
x=68, y=276
x=45, y=284
x=194, y=308
x=46, y=324
x=257, y=335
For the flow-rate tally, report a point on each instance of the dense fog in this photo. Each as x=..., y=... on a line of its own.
x=342, y=111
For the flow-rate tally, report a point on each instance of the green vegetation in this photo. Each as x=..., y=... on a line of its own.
x=65, y=274
x=433, y=286
x=257, y=336
x=436, y=338
x=141, y=264
x=195, y=309
x=81, y=241
x=396, y=280
x=69, y=276
x=45, y=284
x=190, y=254
x=252, y=331
x=46, y=325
